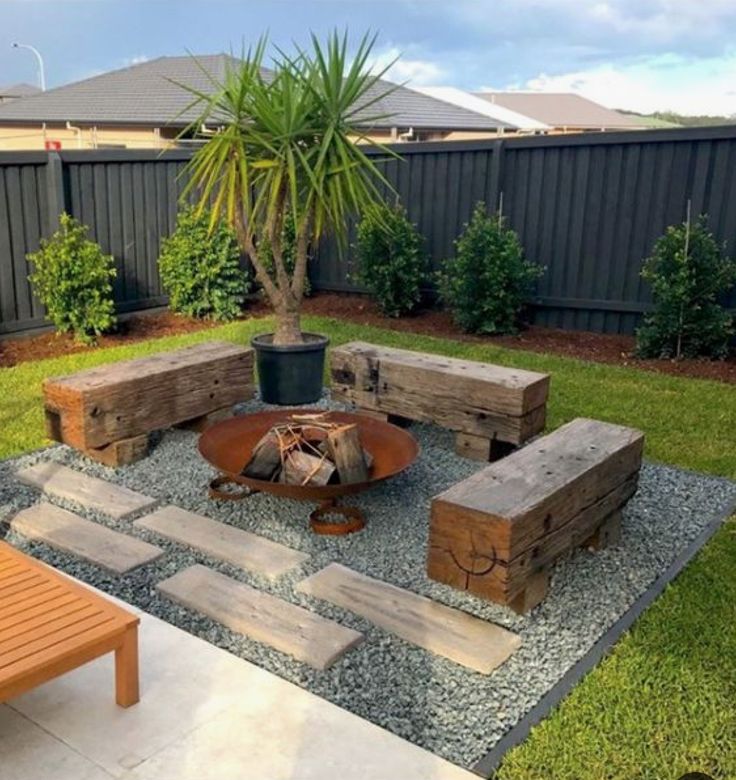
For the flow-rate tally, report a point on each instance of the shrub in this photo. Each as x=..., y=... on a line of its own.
x=486, y=283
x=688, y=271
x=391, y=262
x=288, y=251
x=200, y=268
x=71, y=278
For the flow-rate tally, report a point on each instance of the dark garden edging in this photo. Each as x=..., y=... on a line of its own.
x=490, y=762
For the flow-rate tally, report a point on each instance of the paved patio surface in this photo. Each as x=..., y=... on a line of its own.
x=204, y=714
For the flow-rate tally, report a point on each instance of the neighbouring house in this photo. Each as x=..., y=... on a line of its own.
x=514, y=121
x=15, y=91
x=143, y=106
x=564, y=112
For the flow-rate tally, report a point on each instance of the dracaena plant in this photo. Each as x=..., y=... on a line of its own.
x=288, y=142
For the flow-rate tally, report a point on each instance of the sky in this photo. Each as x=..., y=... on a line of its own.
x=644, y=55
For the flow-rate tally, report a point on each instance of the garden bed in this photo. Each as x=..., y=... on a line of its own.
x=444, y=707
x=582, y=345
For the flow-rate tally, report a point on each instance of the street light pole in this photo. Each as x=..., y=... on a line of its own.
x=41, y=73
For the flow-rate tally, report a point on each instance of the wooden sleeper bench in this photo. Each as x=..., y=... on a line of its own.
x=107, y=412
x=491, y=408
x=50, y=625
x=497, y=533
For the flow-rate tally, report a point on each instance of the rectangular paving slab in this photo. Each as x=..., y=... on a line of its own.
x=449, y=632
x=60, y=481
x=222, y=541
x=286, y=627
x=90, y=541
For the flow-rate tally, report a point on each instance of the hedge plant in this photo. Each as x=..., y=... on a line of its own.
x=72, y=278
x=689, y=272
x=391, y=261
x=487, y=282
x=200, y=269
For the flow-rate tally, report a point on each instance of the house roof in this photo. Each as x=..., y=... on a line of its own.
x=18, y=90
x=504, y=117
x=144, y=94
x=562, y=109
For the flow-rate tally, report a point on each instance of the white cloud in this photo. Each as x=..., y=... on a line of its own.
x=415, y=71
x=659, y=83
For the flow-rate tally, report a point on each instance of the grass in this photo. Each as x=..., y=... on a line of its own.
x=662, y=703
x=687, y=422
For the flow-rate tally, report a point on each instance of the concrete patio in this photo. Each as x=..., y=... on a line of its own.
x=204, y=713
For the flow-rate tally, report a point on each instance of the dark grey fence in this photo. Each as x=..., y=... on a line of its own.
x=588, y=207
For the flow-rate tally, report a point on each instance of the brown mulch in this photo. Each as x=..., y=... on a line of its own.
x=594, y=347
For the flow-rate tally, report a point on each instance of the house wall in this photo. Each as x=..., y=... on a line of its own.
x=33, y=137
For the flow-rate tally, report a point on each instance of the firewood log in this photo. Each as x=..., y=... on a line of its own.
x=300, y=468
x=265, y=460
x=347, y=454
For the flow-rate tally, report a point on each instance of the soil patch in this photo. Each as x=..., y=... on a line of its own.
x=583, y=345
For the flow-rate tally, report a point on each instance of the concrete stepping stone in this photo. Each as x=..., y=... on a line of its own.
x=449, y=632
x=59, y=481
x=286, y=627
x=70, y=533
x=222, y=541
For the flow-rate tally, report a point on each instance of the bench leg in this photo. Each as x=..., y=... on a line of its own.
x=608, y=533
x=534, y=593
x=120, y=453
x=469, y=445
x=126, y=669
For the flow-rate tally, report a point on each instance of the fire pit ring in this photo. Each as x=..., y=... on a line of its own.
x=228, y=445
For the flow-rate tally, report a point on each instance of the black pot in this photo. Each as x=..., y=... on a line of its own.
x=290, y=374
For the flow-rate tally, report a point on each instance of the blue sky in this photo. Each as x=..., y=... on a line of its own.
x=640, y=54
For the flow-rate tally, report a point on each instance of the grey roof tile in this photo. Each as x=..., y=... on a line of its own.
x=144, y=94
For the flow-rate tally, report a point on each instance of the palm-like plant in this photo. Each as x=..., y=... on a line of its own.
x=286, y=142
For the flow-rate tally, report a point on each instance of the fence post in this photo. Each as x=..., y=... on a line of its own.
x=496, y=174
x=55, y=201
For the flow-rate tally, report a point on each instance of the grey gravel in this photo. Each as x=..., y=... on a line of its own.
x=444, y=707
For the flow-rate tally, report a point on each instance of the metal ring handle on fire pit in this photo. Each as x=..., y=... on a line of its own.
x=228, y=495
x=354, y=519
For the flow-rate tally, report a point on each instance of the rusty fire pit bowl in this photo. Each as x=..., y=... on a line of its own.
x=228, y=445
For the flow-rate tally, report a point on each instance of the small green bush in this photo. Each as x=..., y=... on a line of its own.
x=71, y=278
x=391, y=263
x=486, y=283
x=288, y=248
x=688, y=271
x=200, y=268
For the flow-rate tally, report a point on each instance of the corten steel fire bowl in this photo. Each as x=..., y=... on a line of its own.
x=228, y=445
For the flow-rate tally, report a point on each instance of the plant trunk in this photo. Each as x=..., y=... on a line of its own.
x=288, y=328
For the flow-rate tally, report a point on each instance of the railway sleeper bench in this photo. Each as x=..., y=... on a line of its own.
x=497, y=533
x=491, y=408
x=50, y=625
x=109, y=411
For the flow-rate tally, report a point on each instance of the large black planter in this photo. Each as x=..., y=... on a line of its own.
x=290, y=374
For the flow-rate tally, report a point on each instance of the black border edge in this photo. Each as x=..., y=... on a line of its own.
x=491, y=761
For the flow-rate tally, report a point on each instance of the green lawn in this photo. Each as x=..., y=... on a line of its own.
x=688, y=422
x=663, y=702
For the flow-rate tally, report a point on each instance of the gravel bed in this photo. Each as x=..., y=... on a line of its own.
x=444, y=707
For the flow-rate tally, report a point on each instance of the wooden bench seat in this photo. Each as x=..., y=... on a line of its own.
x=488, y=406
x=50, y=625
x=497, y=533
x=107, y=412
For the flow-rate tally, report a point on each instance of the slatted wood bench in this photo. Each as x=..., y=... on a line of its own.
x=50, y=625
x=108, y=412
x=491, y=408
x=497, y=533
